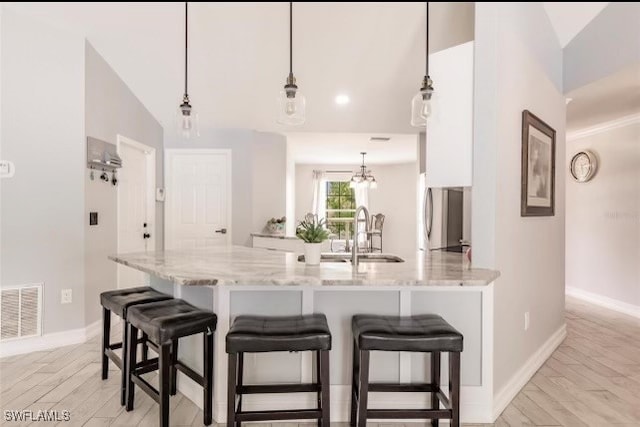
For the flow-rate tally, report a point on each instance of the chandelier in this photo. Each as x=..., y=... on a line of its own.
x=363, y=178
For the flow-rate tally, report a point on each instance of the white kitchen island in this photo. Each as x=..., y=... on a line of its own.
x=237, y=280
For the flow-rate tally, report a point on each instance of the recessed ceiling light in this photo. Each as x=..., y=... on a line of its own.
x=342, y=99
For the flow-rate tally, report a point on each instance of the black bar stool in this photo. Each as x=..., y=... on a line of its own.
x=164, y=323
x=118, y=302
x=259, y=334
x=428, y=333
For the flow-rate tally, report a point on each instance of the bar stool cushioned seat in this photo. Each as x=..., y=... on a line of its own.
x=260, y=334
x=422, y=333
x=119, y=300
x=165, y=321
x=256, y=334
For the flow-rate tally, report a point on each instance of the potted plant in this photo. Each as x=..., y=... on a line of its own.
x=312, y=233
x=276, y=225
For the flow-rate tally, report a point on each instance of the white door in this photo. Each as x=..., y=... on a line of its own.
x=136, y=206
x=198, y=198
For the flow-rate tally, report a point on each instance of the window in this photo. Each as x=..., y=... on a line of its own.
x=341, y=206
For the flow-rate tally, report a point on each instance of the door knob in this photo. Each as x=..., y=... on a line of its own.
x=222, y=231
x=146, y=235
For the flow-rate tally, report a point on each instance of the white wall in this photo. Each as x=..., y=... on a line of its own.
x=43, y=134
x=249, y=149
x=518, y=66
x=111, y=109
x=269, y=158
x=396, y=197
x=603, y=218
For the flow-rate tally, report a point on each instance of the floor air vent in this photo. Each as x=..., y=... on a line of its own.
x=20, y=312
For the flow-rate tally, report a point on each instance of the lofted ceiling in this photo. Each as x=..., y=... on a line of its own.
x=372, y=52
x=610, y=98
x=568, y=19
x=344, y=148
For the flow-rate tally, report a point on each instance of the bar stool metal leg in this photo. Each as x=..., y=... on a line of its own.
x=208, y=378
x=240, y=383
x=435, y=381
x=125, y=341
x=355, y=377
x=131, y=355
x=325, y=385
x=454, y=387
x=232, y=375
x=164, y=389
x=145, y=347
x=363, y=389
x=106, y=341
x=173, y=381
x=319, y=381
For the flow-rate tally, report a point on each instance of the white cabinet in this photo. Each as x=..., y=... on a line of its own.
x=449, y=150
x=278, y=244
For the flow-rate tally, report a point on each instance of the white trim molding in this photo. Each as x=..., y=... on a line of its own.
x=606, y=302
x=524, y=374
x=51, y=341
x=604, y=127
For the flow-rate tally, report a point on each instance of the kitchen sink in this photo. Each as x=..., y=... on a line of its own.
x=376, y=258
x=379, y=258
x=330, y=258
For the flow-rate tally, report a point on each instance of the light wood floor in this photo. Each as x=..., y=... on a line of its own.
x=592, y=379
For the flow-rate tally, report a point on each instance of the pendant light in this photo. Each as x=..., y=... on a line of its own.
x=187, y=117
x=291, y=103
x=421, y=104
x=363, y=178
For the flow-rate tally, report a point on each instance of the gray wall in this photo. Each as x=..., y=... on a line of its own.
x=519, y=62
x=43, y=134
x=603, y=227
x=608, y=44
x=111, y=109
x=258, y=166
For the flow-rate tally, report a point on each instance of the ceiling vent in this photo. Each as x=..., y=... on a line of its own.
x=377, y=139
x=20, y=312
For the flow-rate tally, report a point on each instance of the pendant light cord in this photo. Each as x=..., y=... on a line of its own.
x=290, y=37
x=427, y=43
x=186, y=46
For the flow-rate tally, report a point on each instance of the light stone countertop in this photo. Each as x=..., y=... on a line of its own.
x=274, y=236
x=239, y=265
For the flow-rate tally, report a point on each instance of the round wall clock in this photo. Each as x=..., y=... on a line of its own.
x=583, y=166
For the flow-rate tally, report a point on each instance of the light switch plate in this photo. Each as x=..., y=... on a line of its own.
x=159, y=194
x=7, y=169
x=66, y=296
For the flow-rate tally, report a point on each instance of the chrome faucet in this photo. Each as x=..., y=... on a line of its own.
x=354, y=248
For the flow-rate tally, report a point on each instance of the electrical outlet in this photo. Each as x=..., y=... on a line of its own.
x=526, y=321
x=66, y=296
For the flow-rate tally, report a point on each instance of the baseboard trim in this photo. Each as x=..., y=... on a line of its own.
x=49, y=341
x=606, y=302
x=522, y=377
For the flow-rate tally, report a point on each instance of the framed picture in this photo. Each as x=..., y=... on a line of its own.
x=538, y=190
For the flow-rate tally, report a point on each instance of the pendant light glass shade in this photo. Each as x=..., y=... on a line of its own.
x=291, y=103
x=187, y=120
x=421, y=104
